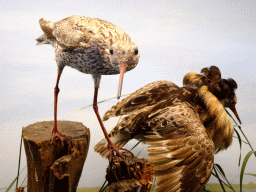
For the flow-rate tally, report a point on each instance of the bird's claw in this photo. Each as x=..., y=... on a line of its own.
x=112, y=148
x=60, y=136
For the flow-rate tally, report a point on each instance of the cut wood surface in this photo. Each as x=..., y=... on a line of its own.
x=55, y=166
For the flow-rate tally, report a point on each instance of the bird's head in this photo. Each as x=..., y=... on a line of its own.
x=227, y=95
x=223, y=89
x=123, y=57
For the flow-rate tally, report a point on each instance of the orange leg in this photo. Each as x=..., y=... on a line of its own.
x=111, y=146
x=55, y=132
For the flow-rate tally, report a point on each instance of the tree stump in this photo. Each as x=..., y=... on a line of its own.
x=130, y=174
x=55, y=166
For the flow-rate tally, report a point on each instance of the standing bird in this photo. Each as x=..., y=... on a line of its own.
x=91, y=46
x=183, y=127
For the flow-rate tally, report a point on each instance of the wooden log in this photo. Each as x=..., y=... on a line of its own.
x=129, y=174
x=55, y=166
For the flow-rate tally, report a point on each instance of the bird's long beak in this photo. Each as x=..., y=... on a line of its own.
x=122, y=69
x=233, y=109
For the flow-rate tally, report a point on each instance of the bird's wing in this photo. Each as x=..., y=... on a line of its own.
x=83, y=32
x=146, y=96
x=179, y=148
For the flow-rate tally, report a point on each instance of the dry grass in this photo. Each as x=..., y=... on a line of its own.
x=88, y=189
x=216, y=187
x=212, y=187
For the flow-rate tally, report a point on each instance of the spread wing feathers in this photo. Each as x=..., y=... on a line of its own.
x=79, y=30
x=180, y=150
x=119, y=140
x=129, y=127
x=148, y=95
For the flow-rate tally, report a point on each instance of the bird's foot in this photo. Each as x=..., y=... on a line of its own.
x=114, y=149
x=56, y=135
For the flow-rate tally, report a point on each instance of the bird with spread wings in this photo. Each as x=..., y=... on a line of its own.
x=183, y=126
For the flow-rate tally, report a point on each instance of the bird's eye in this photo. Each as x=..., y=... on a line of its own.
x=111, y=51
x=136, y=51
x=233, y=102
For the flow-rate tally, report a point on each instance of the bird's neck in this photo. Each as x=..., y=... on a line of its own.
x=215, y=119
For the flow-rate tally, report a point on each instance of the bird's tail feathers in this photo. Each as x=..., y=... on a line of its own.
x=42, y=40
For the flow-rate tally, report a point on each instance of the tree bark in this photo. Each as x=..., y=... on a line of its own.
x=130, y=174
x=55, y=166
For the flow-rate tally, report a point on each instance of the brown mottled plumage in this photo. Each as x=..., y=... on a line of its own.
x=183, y=127
x=91, y=46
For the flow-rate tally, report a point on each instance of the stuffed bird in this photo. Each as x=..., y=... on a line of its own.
x=183, y=127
